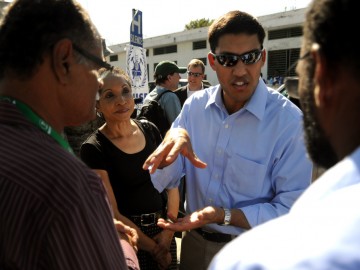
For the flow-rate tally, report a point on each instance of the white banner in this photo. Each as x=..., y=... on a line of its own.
x=136, y=68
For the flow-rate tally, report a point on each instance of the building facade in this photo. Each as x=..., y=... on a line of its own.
x=282, y=43
x=3, y=4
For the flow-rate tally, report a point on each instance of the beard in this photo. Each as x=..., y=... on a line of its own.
x=317, y=144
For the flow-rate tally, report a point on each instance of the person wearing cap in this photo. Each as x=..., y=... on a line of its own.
x=167, y=76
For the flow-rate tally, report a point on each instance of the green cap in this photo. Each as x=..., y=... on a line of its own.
x=165, y=68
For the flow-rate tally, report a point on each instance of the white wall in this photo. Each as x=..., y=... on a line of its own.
x=185, y=39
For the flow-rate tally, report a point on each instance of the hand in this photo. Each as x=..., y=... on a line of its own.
x=162, y=251
x=176, y=141
x=161, y=255
x=127, y=233
x=163, y=258
x=195, y=220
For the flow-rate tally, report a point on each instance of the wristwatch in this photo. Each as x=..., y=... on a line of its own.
x=227, y=217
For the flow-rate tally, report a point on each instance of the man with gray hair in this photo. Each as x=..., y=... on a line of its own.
x=54, y=211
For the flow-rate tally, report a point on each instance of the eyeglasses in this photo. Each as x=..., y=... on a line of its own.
x=293, y=65
x=195, y=74
x=99, y=62
x=230, y=60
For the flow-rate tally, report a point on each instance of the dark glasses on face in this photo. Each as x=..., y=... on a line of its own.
x=93, y=58
x=194, y=74
x=230, y=60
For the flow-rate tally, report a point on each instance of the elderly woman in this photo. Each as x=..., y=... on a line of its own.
x=116, y=152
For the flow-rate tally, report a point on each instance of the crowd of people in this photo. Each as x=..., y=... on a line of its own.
x=244, y=191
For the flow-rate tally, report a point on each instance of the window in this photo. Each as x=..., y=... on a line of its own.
x=148, y=74
x=114, y=58
x=165, y=50
x=279, y=62
x=285, y=33
x=197, y=45
x=204, y=60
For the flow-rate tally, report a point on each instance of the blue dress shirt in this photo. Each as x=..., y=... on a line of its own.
x=256, y=157
x=320, y=232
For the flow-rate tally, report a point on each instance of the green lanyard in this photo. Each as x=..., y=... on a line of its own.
x=39, y=122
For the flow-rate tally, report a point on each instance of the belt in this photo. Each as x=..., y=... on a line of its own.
x=146, y=219
x=215, y=237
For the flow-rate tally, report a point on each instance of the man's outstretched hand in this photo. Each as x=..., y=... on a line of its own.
x=176, y=141
x=195, y=220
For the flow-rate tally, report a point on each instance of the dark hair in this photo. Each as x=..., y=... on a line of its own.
x=31, y=27
x=234, y=22
x=118, y=72
x=332, y=24
x=161, y=80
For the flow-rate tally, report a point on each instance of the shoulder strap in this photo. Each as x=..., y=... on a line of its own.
x=154, y=131
x=159, y=96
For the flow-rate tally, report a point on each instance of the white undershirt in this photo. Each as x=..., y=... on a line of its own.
x=190, y=92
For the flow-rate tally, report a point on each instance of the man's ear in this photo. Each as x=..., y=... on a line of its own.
x=322, y=78
x=63, y=59
x=211, y=59
x=263, y=57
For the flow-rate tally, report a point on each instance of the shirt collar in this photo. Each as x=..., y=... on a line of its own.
x=256, y=105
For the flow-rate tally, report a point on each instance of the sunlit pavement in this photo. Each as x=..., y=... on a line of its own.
x=178, y=244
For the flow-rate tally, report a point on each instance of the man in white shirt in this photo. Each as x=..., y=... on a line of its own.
x=195, y=77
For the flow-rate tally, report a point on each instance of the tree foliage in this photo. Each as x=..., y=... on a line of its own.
x=198, y=23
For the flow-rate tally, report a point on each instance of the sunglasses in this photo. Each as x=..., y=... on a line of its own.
x=194, y=74
x=99, y=62
x=230, y=60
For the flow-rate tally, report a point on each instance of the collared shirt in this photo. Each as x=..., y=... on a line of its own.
x=256, y=157
x=53, y=209
x=321, y=230
x=169, y=102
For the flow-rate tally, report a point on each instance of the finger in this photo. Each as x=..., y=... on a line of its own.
x=156, y=158
x=152, y=161
x=171, y=218
x=173, y=153
x=194, y=159
x=162, y=223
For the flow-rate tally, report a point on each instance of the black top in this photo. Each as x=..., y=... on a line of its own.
x=181, y=94
x=132, y=186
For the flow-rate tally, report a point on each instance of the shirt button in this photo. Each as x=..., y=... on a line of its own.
x=226, y=126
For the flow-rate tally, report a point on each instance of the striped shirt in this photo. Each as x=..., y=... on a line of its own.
x=53, y=210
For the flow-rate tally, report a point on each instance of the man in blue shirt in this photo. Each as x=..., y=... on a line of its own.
x=250, y=139
x=321, y=231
